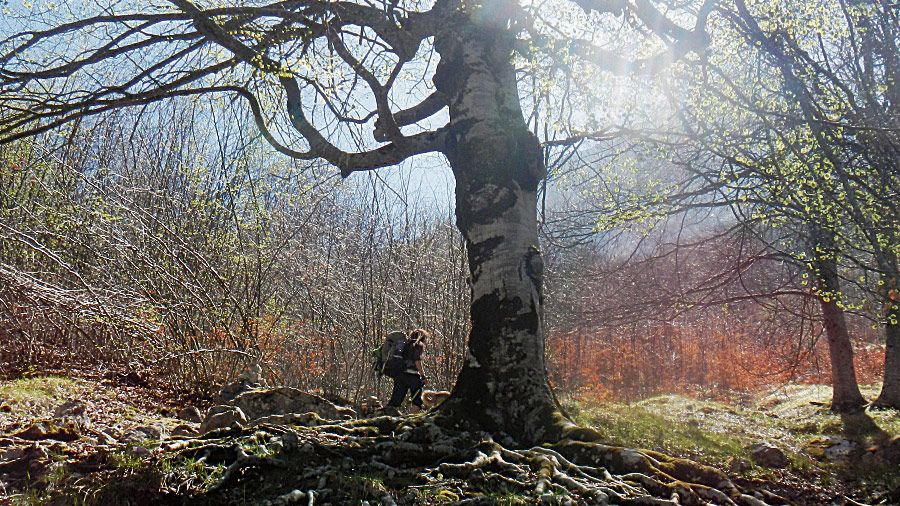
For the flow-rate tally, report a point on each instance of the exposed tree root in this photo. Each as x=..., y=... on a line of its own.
x=391, y=460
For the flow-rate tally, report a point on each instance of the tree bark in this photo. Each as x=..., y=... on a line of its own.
x=890, y=389
x=846, y=396
x=497, y=163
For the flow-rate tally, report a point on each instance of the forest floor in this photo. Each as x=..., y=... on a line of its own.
x=831, y=458
x=108, y=440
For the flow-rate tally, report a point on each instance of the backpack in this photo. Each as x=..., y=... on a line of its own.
x=390, y=358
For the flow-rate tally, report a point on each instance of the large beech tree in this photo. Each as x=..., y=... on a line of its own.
x=356, y=84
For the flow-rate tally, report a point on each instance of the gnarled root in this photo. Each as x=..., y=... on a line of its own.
x=391, y=460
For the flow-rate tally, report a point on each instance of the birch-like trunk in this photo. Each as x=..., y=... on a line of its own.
x=497, y=163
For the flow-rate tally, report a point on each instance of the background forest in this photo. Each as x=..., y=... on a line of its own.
x=139, y=242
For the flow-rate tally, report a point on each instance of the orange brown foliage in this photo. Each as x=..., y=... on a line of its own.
x=609, y=365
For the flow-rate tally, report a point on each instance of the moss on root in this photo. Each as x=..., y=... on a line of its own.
x=415, y=460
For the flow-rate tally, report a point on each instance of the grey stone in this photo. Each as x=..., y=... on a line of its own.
x=767, y=455
x=222, y=417
x=184, y=430
x=284, y=400
x=190, y=414
x=248, y=380
x=737, y=465
x=105, y=439
x=69, y=409
x=29, y=460
x=139, y=451
x=50, y=429
x=146, y=433
x=842, y=449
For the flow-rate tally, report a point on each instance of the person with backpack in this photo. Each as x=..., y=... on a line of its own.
x=400, y=358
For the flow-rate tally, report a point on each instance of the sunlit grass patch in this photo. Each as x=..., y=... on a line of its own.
x=671, y=424
x=39, y=390
x=795, y=418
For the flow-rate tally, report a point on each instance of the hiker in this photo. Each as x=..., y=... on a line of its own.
x=412, y=379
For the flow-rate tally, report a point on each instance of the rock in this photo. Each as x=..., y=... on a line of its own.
x=737, y=465
x=284, y=400
x=190, y=414
x=70, y=409
x=833, y=448
x=246, y=381
x=105, y=439
x=252, y=375
x=184, y=430
x=46, y=429
x=370, y=406
x=842, y=449
x=139, y=451
x=302, y=419
x=74, y=411
x=141, y=434
x=767, y=455
x=28, y=461
x=222, y=417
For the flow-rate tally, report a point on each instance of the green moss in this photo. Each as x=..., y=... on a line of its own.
x=436, y=496
x=678, y=429
x=503, y=495
x=38, y=390
x=354, y=488
x=713, y=433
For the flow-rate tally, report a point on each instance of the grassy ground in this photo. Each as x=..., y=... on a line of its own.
x=794, y=418
x=111, y=405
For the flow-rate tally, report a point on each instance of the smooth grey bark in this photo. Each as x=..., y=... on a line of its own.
x=497, y=163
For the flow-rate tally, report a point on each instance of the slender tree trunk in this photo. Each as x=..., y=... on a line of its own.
x=846, y=396
x=497, y=163
x=890, y=389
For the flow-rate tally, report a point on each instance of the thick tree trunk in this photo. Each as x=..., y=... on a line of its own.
x=846, y=396
x=497, y=163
